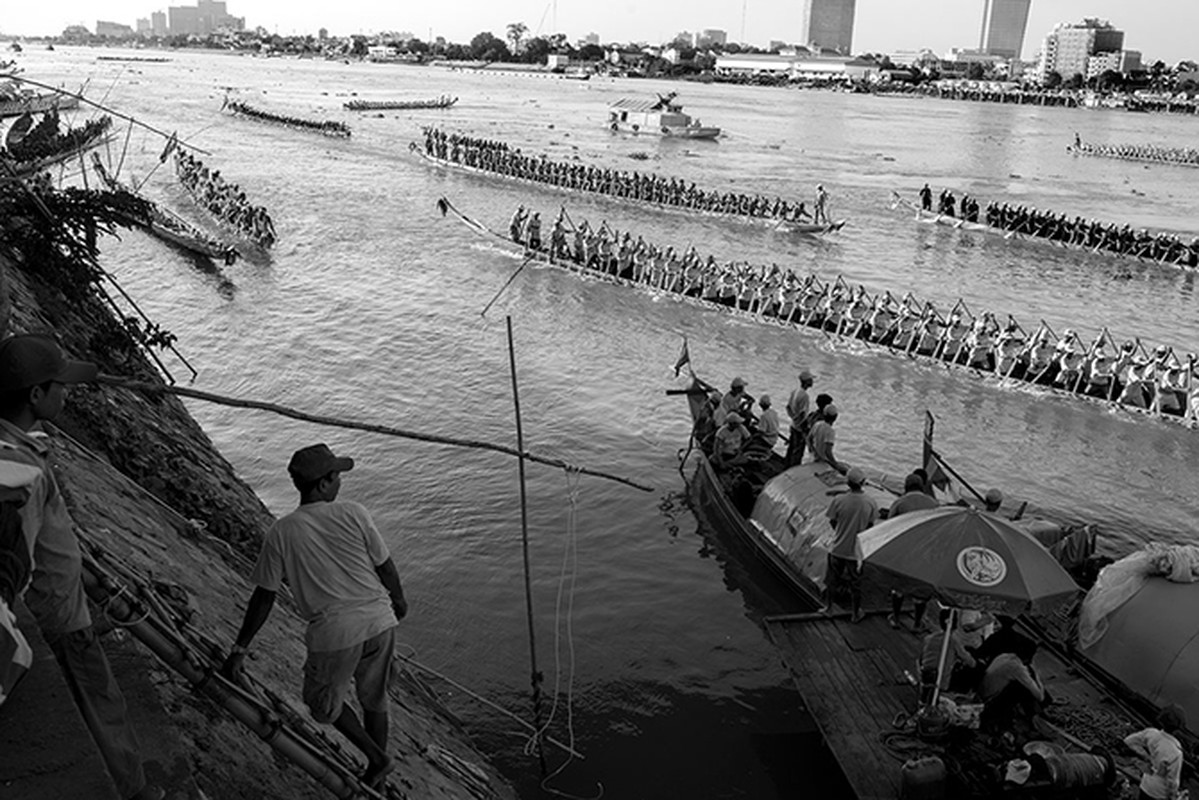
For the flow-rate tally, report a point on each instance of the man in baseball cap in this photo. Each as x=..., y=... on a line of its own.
x=849, y=514
x=33, y=376
x=347, y=588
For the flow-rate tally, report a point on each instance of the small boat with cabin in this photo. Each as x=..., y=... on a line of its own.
x=662, y=116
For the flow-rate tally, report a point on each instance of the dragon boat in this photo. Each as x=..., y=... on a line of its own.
x=777, y=224
x=169, y=226
x=445, y=101
x=1184, y=260
x=326, y=127
x=1157, y=385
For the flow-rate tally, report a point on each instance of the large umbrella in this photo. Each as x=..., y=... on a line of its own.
x=967, y=559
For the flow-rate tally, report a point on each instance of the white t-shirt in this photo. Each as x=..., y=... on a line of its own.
x=1164, y=754
x=328, y=553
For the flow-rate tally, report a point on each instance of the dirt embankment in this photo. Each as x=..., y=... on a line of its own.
x=136, y=472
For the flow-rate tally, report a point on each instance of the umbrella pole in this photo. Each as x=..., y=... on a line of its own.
x=944, y=656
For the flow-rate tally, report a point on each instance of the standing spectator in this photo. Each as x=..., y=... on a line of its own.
x=346, y=587
x=34, y=376
x=913, y=499
x=798, y=409
x=849, y=514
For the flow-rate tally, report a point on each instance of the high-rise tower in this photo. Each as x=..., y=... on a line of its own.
x=829, y=24
x=1004, y=24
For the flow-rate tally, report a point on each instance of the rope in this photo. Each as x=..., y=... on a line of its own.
x=154, y=389
x=566, y=578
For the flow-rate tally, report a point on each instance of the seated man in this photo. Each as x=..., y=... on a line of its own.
x=729, y=441
x=768, y=423
x=957, y=658
x=1010, y=688
x=1005, y=639
x=822, y=438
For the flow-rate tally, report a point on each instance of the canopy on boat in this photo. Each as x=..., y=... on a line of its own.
x=1150, y=643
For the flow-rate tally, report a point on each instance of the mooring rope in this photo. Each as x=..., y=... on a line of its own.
x=386, y=430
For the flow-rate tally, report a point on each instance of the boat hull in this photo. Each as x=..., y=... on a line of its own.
x=16, y=108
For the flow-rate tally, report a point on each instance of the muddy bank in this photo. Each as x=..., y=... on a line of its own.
x=146, y=485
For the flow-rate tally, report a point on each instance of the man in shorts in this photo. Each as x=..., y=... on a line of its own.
x=346, y=587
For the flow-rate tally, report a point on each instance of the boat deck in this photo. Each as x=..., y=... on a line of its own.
x=851, y=678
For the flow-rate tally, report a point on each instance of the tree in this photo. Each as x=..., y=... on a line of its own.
x=591, y=52
x=486, y=46
x=1074, y=83
x=536, y=49
x=975, y=71
x=417, y=46
x=516, y=34
x=1053, y=79
x=359, y=47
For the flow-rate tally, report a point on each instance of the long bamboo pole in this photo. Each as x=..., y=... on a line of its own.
x=386, y=430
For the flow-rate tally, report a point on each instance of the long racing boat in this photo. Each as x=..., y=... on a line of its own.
x=445, y=101
x=169, y=226
x=635, y=189
x=1184, y=257
x=1158, y=385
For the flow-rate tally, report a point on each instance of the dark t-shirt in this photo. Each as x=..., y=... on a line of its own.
x=851, y=513
x=911, y=501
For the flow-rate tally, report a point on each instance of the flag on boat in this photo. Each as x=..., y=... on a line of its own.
x=942, y=487
x=684, y=358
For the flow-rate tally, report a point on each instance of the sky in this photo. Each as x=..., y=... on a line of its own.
x=1160, y=29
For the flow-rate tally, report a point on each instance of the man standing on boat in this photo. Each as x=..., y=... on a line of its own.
x=347, y=588
x=926, y=198
x=849, y=514
x=913, y=499
x=798, y=408
x=819, y=208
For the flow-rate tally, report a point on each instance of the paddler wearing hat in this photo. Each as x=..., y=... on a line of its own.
x=729, y=441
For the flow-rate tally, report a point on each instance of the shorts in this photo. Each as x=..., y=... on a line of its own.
x=327, y=677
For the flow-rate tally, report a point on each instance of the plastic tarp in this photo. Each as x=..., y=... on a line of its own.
x=1151, y=645
x=1120, y=582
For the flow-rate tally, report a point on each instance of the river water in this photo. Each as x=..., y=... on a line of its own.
x=370, y=310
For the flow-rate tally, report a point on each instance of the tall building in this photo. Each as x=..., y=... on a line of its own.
x=829, y=24
x=183, y=20
x=711, y=36
x=1004, y=25
x=158, y=23
x=113, y=30
x=1068, y=47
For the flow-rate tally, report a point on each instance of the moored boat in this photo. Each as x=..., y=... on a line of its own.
x=51, y=150
x=662, y=116
x=14, y=102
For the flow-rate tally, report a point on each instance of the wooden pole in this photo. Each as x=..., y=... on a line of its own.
x=535, y=676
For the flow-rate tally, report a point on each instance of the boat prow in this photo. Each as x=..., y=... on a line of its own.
x=812, y=228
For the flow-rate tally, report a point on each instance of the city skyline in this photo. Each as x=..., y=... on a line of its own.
x=1158, y=28
x=1004, y=28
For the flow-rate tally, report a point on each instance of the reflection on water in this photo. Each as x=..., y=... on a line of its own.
x=370, y=310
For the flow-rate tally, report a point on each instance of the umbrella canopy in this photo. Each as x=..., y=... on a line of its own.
x=969, y=559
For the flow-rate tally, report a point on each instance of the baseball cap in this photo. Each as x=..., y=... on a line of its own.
x=830, y=410
x=855, y=476
x=994, y=496
x=738, y=381
x=806, y=375
x=29, y=359
x=315, y=462
x=764, y=400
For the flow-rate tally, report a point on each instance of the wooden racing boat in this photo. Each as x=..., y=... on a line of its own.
x=70, y=145
x=444, y=101
x=786, y=226
x=903, y=339
x=169, y=226
x=957, y=223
